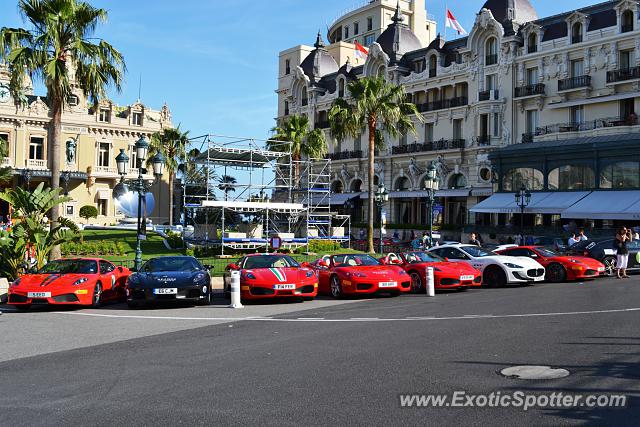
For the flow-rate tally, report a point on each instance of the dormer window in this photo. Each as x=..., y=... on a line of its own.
x=433, y=65
x=356, y=28
x=305, y=96
x=418, y=66
x=73, y=100
x=346, y=32
x=136, y=118
x=341, y=88
x=104, y=115
x=532, y=43
x=491, y=51
x=626, y=21
x=576, y=33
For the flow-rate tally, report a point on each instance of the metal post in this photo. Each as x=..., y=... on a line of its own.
x=138, y=258
x=430, y=214
x=430, y=285
x=380, y=215
x=235, y=290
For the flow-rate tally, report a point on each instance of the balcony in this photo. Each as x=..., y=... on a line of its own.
x=324, y=124
x=487, y=95
x=530, y=90
x=6, y=162
x=623, y=75
x=344, y=155
x=574, y=83
x=458, y=101
x=36, y=164
x=483, y=140
x=443, y=144
x=527, y=137
x=491, y=59
x=105, y=170
x=599, y=126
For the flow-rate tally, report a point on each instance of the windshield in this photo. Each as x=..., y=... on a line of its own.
x=415, y=257
x=476, y=252
x=357, y=260
x=546, y=252
x=171, y=264
x=269, y=261
x=70, y=266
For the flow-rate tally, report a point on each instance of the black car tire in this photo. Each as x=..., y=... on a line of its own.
x=494, y=277
x=207, y=300
x=307, y=298
x=133, y=304
x=609, y=265
x=556, y=273
x=96, y=300
x=335, y=287
x=416, y=283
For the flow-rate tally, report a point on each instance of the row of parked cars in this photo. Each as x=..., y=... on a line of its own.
x=90, y=281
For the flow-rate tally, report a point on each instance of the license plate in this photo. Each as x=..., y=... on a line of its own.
x=387, y=284
x=469, y=277
x=165, y=291
x=600, y=269
x=285, y=286
x=39, y=294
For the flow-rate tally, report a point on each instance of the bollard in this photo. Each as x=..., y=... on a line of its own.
x=235, y=290
x=431, y=286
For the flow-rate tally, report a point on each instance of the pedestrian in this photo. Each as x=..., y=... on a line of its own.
x=581, y=236
x=473, y=240
x=623, y=237
x=426, y=241
x=572, y=240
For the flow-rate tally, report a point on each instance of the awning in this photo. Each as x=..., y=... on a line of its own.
x=334, y=199
x=407, y=194
x=497, y=203
x=482, y=192
x=615, y=204
x=554, y=202
x=103, y=194
x=455, y=192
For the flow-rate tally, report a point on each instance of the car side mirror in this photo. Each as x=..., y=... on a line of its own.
x=208, y=267
x=305, y=264
x=396, y=262
x=533, y=256
x=233, y=266
x=323, y=263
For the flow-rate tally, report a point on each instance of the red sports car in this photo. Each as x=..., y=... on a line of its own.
x=355, y=274
x=446, y=274
x=559, y=267
x=272, y=276
x=79, y=281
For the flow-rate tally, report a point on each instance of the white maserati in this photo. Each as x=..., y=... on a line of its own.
x=497, y=270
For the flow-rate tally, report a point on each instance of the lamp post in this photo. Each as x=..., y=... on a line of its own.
x=139, y=185
x=523, y=197
x=382, y=196
x=431, y=185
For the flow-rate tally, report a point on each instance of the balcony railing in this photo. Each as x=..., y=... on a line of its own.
x=443, y=144
x=530, y=90
x=487, y=95
x=610, y=122
x=458, y=101
x=574, y=83
x=491, y=59
x=527, y=137
x=36, y=164
x=626, y=28
x=342, y=155
x=105, y=170
x=432, y=72
x=623, y=74
x=6, y=162
x=322, y=124
x=483, y=140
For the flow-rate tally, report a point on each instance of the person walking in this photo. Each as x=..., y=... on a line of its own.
x=572, y=240
x=473, y=240
x=623, y=237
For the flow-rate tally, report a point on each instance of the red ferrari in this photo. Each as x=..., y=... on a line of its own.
x=446, y=274
x=559, y=267
x=80, y=281
x=355, y=274
x=272, y=276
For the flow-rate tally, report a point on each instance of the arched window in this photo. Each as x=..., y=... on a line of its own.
x=532, y=43
x=356, y=185
x=433, y=65
x=458, y=181
x=571, y=177
x=620, y=175
x=376, y=180
x=530, y=178
x=402, y=184
x=341, y=88
x=491, y=51
x=305, y=96
x=576, y=33
x=337, y=187
x=626, y=23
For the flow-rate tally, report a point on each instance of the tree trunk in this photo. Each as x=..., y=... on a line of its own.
x=170, y=198
x=372, y=145
x=55, y=168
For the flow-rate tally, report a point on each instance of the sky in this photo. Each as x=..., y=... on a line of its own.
x=215, y=62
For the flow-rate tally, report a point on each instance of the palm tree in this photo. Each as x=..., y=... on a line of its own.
x=60, y=51
x=172, y=143
x=377, y=107
x=227, y=184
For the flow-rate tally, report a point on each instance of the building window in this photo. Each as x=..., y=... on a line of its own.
x=577, y=68
x=532, y=76
x=458, y=181
x=136, y=118
x=628, y=111
x=577, y=115
x=491, y=51
x=287, y=66
x=428, y=132
x=103, y=207
x=625, y=59
x=626, y=24
x=532, y=43
x=491, y=79
x=105, y=115
x=133, y=157
x=457, y=129
x=73, y=100
x=571, y=177
x=4, y=139
x=356, y=28
x=369, y=39
x=496, y=124
x=433, y=65
x=531, y=178
x=621, y=175
x=532, y=121
x=286, y=108
x=104, y=149
x=69, y=210
x=576, y=33
x=369, y=23
x=305, y=96
x=357, y=143
x=36, y=148
x=341, y=88
x=346, y=32
x=419, y=65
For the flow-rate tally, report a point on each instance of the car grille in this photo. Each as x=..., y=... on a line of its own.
x=66, y=298
x=448, y=282
x=39, y=301
x=17, y=298
x=405, y=285
x=477, y=279
x=193, y=293
x=306, y=289
x=363, y=286
x=535, y=272
x=590, y=272
x=262, y=291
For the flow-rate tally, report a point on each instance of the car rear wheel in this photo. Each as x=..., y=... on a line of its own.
x=416, y=282
x=556, y=273
x=494, y=277
x=609, y=265
x=97, y=295
x=336, y=287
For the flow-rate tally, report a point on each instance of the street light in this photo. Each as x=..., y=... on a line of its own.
x=382, y=196
x=431, y=185
x=122, y=161
x=523, y=197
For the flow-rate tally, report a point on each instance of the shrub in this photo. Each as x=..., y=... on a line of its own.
x=88, y=211
x=174, y=240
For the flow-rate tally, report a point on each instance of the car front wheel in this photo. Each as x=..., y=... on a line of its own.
x=97, y=295
x=609, y=265
x=416, y=282
x=556, y=273
x=336, y=287
x=494, y=277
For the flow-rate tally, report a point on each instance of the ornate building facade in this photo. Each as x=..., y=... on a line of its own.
x=91, y=140
x=516, y=80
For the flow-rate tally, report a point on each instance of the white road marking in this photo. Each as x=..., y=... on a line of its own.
x=353, y=319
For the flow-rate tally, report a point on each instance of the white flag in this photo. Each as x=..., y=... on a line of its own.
x=452, y=22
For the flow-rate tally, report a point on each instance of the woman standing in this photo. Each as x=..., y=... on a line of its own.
x=622, y=238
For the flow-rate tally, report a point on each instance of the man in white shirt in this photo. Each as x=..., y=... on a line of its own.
x=581, y=235
x=573, y=240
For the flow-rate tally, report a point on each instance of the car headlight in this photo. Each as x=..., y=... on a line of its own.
x=250, y=276
x=510, y=265
x=16, y=282
x=310, y=273
x=79, y=281
x=200, y=277
x=575, y=261
x=402, y=273
x=355, y=274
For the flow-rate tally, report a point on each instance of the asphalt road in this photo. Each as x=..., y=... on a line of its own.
x=325, y=363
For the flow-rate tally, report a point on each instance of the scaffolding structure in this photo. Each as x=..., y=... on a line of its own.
x=240, y=192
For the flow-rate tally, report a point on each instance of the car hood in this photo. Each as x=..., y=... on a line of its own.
x=582, y=259
x=372, y=270
x=165, y=278
x=518, y=260
x=279, y=275
x=52, y=281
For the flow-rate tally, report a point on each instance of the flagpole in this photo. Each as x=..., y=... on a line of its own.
x=446, y=9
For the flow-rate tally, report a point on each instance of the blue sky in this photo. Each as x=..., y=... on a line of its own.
x=215, y=62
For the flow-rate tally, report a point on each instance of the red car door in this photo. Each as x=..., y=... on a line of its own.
x=323, y=275
x=108, y=279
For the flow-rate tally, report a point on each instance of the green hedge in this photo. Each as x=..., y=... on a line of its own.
x=99, y=248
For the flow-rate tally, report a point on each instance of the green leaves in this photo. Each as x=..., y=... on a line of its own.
x=172, y=143
x=304, y=141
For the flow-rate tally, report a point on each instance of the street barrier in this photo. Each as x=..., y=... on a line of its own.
x=235, y=290
x=431, y=287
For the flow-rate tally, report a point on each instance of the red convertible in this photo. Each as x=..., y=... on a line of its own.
x=79, y=281
x=559, y=267
x=355, y=274
x=446, y=274
x=272, y=276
